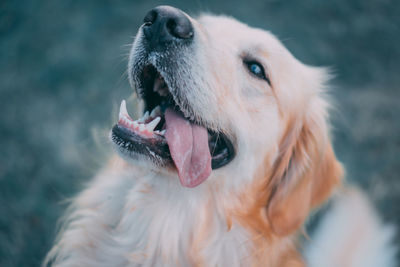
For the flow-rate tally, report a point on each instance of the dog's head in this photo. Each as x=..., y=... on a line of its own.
x=227, y=105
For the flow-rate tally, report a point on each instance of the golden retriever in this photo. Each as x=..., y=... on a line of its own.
x=230, y=156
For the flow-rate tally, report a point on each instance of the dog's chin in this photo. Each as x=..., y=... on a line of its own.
x=165, y=135
x=143, y=162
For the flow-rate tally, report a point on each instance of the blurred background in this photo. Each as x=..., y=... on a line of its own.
x=62, y=76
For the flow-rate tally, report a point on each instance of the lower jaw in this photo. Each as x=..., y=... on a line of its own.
x=134, y=146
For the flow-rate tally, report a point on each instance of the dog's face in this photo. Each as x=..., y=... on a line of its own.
x=235, y=108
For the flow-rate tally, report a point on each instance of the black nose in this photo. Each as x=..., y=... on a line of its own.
x=165, y=24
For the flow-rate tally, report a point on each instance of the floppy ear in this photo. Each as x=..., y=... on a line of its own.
x=305, y=172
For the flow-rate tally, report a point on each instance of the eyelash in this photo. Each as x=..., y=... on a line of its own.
x=261, y=75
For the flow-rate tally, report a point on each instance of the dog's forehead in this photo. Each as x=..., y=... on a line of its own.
x=233, y=33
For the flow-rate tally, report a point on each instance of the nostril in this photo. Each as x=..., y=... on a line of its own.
x=180, y=27
x=184, y=32
x=171, y=26
x=150, y=18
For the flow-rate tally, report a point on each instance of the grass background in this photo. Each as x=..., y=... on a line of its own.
x=62, y=67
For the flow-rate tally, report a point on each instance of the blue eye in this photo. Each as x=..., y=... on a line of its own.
x=257, y=70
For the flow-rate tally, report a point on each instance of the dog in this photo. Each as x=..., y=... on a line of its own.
x=230, y=157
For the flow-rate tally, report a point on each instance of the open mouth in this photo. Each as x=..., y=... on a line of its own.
x=165, y=136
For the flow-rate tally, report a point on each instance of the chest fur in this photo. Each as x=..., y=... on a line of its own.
x=148, y=220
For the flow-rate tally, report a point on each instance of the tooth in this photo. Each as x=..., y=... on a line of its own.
x=135, y=124
x=156, y=111
x=144, y=117
x=160, y=132
x=142, y=127
x=151, y=125
x=122, y=110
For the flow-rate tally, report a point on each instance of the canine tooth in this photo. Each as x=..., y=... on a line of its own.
x=156, y=111
x=151, y=125
x=122, y=110
x=163, y=132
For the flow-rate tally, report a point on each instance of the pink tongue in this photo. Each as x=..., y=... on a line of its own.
x=188, y=144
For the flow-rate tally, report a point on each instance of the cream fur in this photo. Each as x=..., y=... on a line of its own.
x=139, y=215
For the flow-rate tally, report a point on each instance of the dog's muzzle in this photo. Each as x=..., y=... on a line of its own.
x=170, y=133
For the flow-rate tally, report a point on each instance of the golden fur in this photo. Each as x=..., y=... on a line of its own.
x=248, y=213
